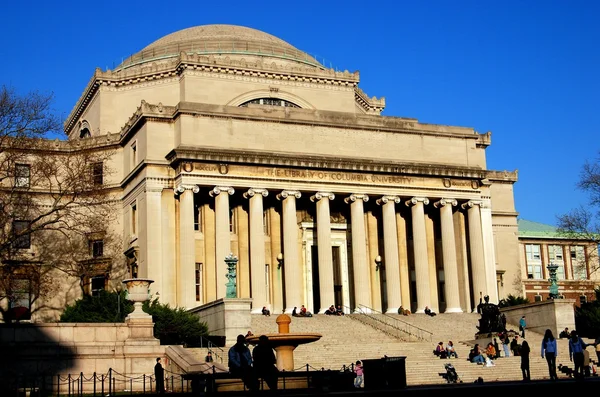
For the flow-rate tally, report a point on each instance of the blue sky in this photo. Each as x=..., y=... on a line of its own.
x=525, y=70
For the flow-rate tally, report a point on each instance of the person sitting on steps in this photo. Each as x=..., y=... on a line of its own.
x=339, y=311
x=330, y=311
x=304, y=312
x=265, y=311
x=429, y=312
x=440, y=351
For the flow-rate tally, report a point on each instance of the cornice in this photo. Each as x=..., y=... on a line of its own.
x=370, y=105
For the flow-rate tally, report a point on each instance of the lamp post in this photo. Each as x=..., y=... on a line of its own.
x=279, y=260
x=231, y=261
x=553, y=281
x=378, y=262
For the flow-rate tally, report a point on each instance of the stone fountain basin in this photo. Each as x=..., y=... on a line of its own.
x=289, y=339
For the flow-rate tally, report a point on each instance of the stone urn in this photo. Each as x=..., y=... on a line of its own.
x=138, y=291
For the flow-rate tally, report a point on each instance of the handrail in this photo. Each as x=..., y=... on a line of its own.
x=213, y=348
x=387, y=322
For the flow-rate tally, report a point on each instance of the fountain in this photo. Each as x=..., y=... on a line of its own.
x=284, y=342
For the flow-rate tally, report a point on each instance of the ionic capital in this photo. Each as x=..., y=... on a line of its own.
x=288, y=193
x=218, y=189
x=445, y=201
x=472, y=203
x=355, y=197
x=320, y=195
x=385, y=199
x=182, y=188
x=416, y=200
x=252, y=191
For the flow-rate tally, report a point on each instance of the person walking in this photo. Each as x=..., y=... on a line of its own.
x=576, y=348
x=550, y=351
x=358, y=370
x=522, y=326
x=525, y=361
x=159, y=377
x=505, y=344
x=265, y=363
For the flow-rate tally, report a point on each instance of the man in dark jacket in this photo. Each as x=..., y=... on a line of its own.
x=159, y=375
x=240, y=363
x=265, y=362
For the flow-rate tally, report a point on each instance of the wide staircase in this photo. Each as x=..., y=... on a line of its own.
x=347, y=339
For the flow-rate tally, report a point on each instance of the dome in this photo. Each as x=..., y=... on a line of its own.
x=220, y=40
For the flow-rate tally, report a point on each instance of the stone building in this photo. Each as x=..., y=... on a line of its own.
x=230, y=140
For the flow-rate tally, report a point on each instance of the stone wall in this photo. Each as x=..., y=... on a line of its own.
x=554, y=314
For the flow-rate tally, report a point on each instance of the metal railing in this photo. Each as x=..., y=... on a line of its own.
x=390, y=325
x=216, y=351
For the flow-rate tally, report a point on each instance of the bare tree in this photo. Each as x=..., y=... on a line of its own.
x=55, y=208
x=583, y=223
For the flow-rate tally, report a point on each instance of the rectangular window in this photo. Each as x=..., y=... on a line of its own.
x=232, y=222
x=21, y=239
x=134, y=159
x=266, y=225
x=97, y=284
x=97, y=248
x=22, y=175
x=555, y=253
x=578, y=262
x=98, y=173
x=198, y=212
x=198, y=282
x=134, y=219
x=534, y=261
x=22, y=296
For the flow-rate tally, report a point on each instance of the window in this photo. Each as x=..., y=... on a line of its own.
x=22, y=239
x=98, y=173
x=134, y=219
x=21, y=299
x=270, y=102
x=198, y=282
x=22, y=175
x=266, y=226
x=96, y=248
x=134, y=159
x=198, y=217
x=555, y=252
x=578, y=262
x=232, y=222
x=534, y=261
x=84, y=133
x=97, y=284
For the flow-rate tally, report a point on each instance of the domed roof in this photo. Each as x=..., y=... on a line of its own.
x=220, y=39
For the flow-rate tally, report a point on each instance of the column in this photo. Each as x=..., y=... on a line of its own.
x=186, y=294
x=476, y=249
x=324, y=249
x=257, y=249
x=362, y=292
x=222, y=235
x=153, y=219
x=489, y=250
x=420, y=251
x=451, y=289
x=390, y=249
x=291, y=262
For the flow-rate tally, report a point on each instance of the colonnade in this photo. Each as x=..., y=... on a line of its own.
x=396, y=271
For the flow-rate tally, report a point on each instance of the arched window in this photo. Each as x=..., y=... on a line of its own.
x=270, y=102
x=84, y=133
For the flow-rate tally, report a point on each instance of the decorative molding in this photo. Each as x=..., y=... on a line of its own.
x=386, y=199
x=218, y=189
x=445, y=201
x=369, y=105
x=473, y=203
x=416, y=200
x=288, y=193
x=320, y=195
x=252, y=191
x=182, y=188
x=355, y=197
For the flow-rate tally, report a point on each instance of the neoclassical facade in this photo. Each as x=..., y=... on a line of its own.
x=231, y=141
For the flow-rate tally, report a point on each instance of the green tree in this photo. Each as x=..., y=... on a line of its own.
x=587, y=317
x=512, y=300
x=172, y=326
x=106, y=307
x=175, y=326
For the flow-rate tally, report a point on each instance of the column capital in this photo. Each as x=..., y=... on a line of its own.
x=472, y=203
x=182, y=188
x=445, y=201
x=355, y=197
x=286, y=193
x=416, y=200
x=252, y=191
x=385, y=199
x=218, y=189
x=320, y=195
